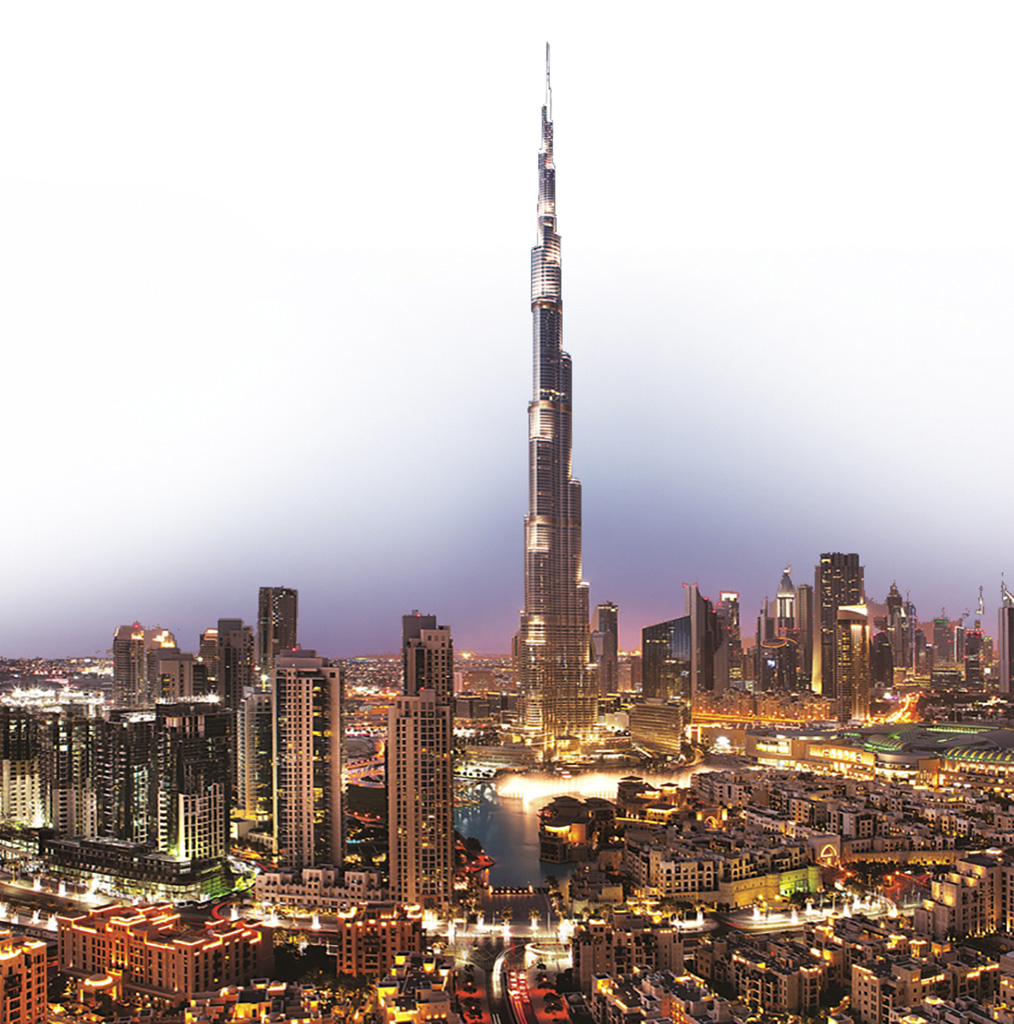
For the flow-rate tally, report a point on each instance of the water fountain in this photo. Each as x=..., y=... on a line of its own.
x=315, y=922
x=51, y=922
x=809, y=907
x=3, y=911
x=699, y=920
x=845, y=912
x=794, y=916
x=756, y=912
x=535, y=922
x=451, y=931
x=36, y=916
x=273, y=918
x=234, y=913
x=479, y=923
x=507, y=931
x=37, y=883
x=63, y=888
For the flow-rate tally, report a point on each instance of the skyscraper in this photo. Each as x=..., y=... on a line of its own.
x=838, y=581
x=852, y=662
x=307, y=760
x=785, y=604
x=420, y=772
x=606, y=646
x=277, y=614
x=1005, y=637
x=551, y=647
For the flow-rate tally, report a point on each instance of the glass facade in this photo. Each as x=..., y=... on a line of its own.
x=552, y=647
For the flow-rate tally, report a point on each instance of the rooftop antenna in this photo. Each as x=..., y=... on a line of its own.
x=549, y=89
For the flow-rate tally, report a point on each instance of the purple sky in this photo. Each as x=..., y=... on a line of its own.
x=266, y=314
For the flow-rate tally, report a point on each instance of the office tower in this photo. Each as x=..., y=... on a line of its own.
x=728, y=621
x=277, y=613
x=785, y=604
x=898, y=628
x=606, y=646
x=667, y=662
x=170, y=674
x=706, y=640
x=207, y=656
x=852, y=662
x=551, y=647
x=881, y=660
x=420, y=771
x=958, y=642
x=943, y=642
x=679, y=655
x=191, y=758
x=804, y=633
x=838, y=581
x=307, y=756
x=1005, y=637
x=129, y=669
x=254, y=756
x=235, y=661
x=776, y=663
x=922, y=654
x=975, y=668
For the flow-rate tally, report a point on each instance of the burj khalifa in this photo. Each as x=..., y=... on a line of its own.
x=551, y=648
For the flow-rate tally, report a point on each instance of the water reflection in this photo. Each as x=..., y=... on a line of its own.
x=503, y=816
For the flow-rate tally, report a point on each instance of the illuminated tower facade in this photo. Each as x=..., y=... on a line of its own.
x=1005, y=637
x=420, y=770
x=552, y=645
x=277, y=614
x=838, y=581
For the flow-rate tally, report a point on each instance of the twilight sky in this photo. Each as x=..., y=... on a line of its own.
x=265, y=307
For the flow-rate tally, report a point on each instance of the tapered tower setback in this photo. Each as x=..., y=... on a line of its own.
x=552, y=646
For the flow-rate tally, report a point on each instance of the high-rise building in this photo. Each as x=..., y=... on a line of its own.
x=606, y=647
x=785, y=604
x=728, y=621
x=707, y=638
x=171, y=674
x=804, y=632
x=667, y=663
x=838, y=581
x=207, y=657
x=852, y=662
x=943, y=642
x=129, y=668
x=551, y=647
x=277, y=614
x=420, y=771
x=191, y=756
x=1005, y=638
x=71, y=739
x=126, y=777
x=235, y=661
x=254, y=755
x=307, y=760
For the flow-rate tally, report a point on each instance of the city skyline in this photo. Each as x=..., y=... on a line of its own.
x=235, y=296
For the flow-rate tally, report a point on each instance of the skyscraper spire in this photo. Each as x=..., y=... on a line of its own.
x=552, y=646
x=549, y=87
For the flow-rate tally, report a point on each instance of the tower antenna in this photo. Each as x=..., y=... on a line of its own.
x=549, y=89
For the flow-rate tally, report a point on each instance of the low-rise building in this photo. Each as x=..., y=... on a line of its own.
x=158, y=955
x=22, y=980
x=623, y=942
